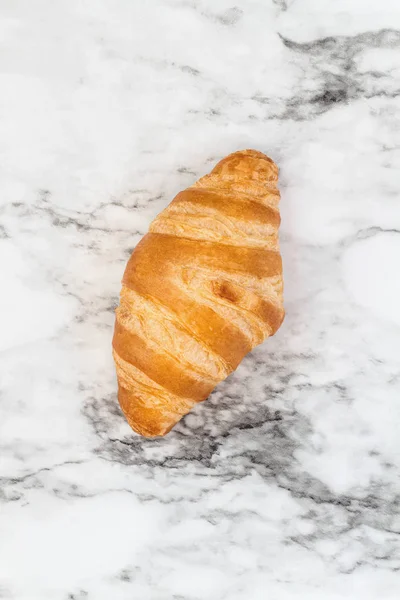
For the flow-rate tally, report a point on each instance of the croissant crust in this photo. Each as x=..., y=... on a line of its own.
x=200, y=290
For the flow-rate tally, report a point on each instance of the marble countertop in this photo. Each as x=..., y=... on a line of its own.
x=285, y=484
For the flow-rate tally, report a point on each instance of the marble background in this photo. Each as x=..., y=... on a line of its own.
x=285, y=484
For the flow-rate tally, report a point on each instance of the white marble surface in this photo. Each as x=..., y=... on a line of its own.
x=286, y=483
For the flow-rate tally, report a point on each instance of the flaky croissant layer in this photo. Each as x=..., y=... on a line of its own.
x=200, y=290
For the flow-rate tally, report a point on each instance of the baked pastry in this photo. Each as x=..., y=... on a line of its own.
x=200, y=290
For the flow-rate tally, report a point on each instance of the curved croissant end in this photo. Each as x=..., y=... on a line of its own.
x=200, y=290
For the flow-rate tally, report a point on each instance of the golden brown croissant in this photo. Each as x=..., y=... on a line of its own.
x=200, y=290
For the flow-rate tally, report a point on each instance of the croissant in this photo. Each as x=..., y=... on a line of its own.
x=200, y=290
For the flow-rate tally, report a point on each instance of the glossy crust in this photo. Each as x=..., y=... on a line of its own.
x=200, y=290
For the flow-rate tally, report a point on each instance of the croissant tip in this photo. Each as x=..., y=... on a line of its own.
x=250, y=163
x=148, y=430
x=251, y=153
x=254, y=153
x=146, y=420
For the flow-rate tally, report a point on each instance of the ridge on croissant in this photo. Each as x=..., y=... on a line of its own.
x=200, y=290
